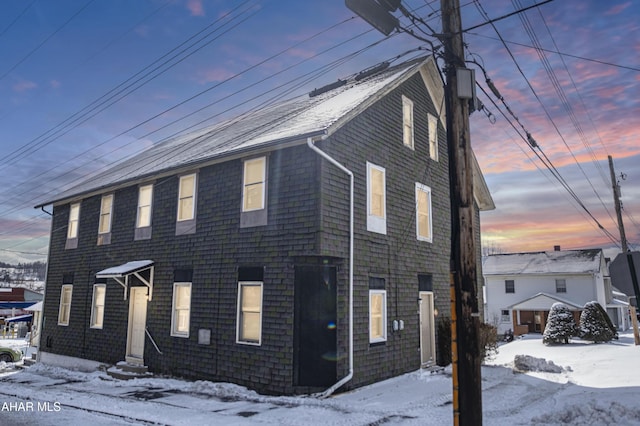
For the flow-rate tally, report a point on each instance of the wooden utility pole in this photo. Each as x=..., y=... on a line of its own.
x=616, y=199
x=625, y=250
x=465, y=316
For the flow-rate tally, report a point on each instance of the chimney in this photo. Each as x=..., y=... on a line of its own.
x=556, y=248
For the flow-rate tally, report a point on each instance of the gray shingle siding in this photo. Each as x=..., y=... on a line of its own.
x=376, y=136
x=308, y=212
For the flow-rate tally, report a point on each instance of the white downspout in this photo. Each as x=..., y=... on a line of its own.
x=349, y=376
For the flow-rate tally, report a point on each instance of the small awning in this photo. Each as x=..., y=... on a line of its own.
x=20, y=318
x=121, y=274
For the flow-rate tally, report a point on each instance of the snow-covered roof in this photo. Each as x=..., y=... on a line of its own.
x=544, y=262
x=289, y=121
x=542, y=302
x=125, y=269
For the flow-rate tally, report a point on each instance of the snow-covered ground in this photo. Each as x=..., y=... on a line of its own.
x=579, y=384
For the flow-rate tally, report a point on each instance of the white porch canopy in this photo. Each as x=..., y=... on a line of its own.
x=122, y=273
x=542, y=302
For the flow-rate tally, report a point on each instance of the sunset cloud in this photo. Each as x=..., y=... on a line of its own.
x=195, y=7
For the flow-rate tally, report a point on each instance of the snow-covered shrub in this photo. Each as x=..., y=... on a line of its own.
x=488, y=341
x=560, y=325
x=593, y=324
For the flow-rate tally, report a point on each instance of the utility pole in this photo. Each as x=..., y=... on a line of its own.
x=616, y=199
x=465, y=316
x=625, y=251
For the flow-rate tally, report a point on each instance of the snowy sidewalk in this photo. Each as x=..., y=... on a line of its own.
x=592, y=385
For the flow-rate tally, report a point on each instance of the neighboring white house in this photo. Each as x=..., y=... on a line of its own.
x=521, y=287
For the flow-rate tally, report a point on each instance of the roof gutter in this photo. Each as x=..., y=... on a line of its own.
x=349, y=376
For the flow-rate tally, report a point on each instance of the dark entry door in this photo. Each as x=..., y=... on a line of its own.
x=315, y=325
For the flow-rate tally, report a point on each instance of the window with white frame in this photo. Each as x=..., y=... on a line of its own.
x=145, y=198
x=97, y=306
x=74, y=220
x=504, y=315
x=433, y=136
x=424, y=226
x=105, y=219
x=254, y=188
x=64, y=312
x=181, y=309
x=187, y=197
x=509, y=286
x=376, y=199
x=249, y=320
x=407, y=122
x=377, y=315
x=561, y=285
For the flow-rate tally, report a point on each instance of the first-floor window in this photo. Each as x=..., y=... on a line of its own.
x=377, y=316
x=181, y=309
x=249, y=312
x=97, y=307
x=65, y=304
x=504, y=316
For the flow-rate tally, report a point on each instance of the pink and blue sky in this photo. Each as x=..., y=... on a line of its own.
x=86, y=83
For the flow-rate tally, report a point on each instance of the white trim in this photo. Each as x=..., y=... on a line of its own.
x=383, y=314
x=420, y=188
x=72, y=232
x=182, y=196
x=174, y=331
x=263, y=161
x=103, y=214
x=239, y=321
x=61, y=320
x=434, y=144
x=95, y=324
x=140, y=188
x=407, y=122
x=376, y=223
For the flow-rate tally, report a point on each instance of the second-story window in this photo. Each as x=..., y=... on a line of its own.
x=104, y=225
x=72, y=229
x=423, y=213
x=407, y=121
x=143, y=216
x=253, y=194
x=187, y=200
x=509, y=286
x=376, y=199
x=145, y=197
x=561, y=285
x=186, y=197
x=433, y=137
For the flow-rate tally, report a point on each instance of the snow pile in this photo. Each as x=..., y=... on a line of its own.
x=577, y=383
x=525, y=363
x=592, y=413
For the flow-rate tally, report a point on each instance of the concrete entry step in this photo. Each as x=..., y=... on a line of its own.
x=125, y=371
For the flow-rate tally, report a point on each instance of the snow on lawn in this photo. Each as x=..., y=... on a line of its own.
x=579, y=383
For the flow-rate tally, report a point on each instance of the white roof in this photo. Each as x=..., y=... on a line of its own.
x=289, y=121
x=545, y=262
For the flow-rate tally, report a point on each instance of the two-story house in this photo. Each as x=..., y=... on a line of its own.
x=299, y=248
x=520, y=288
